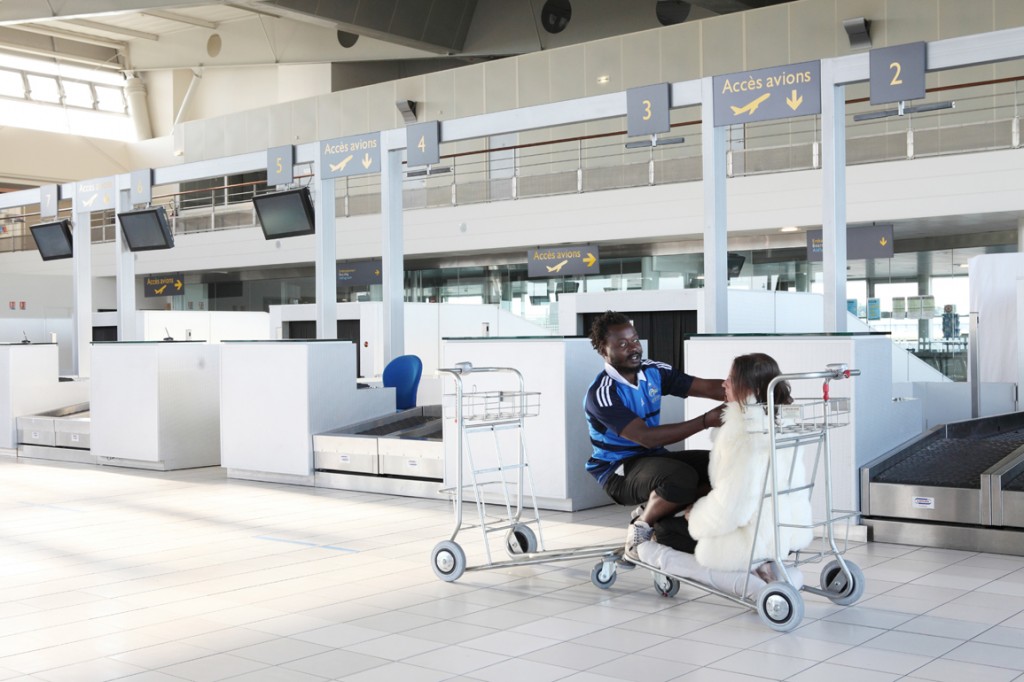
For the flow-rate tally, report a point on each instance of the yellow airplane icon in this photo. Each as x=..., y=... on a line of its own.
x=335, y=167
x=90, y=201
x=751, y=107
x=160, y=290
x=556, y=268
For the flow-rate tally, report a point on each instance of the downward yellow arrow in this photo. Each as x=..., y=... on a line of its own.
x=883, y=241
x=794, y=100
x=590, y=259
x=367, y=160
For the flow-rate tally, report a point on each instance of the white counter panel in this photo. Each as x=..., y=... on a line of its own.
x=557, y=442
x=156, y=403
x=275, y=395
x=30, y=384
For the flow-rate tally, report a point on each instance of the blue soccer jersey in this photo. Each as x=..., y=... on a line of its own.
x=612, y=403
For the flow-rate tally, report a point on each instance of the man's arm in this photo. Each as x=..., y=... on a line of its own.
x=707, y=388
x=657, y=436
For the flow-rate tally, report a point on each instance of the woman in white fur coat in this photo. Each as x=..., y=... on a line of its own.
x=725, y=522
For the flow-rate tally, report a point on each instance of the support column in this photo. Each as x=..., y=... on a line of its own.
x=392, y=243
x=716, y=281
x=124, y=268
x=81, y=288
x=833, y=199
x=326, y=276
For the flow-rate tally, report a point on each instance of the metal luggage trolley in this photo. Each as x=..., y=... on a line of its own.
x=805, y=422
x=489, y=412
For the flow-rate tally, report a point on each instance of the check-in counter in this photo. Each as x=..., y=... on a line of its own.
x=155, y=404
x=275, y=395
x=29, y=384
x=556, y=439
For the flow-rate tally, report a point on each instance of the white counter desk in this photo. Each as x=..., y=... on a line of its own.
x=29, y=384
x=276, y=394
x=557, y=442
x=154, y=404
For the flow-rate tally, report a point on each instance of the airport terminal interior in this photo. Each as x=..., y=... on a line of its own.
x=294, y=349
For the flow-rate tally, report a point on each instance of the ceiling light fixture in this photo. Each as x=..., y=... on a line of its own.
x=790, y=228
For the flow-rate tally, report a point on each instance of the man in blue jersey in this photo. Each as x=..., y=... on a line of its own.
x=623, y=410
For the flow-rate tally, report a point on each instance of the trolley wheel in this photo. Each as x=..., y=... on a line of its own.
x=448, y=561
x=842, y=590
x=520, y=540
x=780, y=607
x=603, y=575
x=665, y=585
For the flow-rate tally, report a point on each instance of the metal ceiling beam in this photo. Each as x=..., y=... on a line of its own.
x=55, y=32
x=61, y=56
x=180, y=18
x=108, y=28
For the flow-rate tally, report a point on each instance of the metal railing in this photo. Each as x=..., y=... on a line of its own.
x=985, y=118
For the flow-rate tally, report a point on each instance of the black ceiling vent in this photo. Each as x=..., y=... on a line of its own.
x=555, y=15
x=671, y=12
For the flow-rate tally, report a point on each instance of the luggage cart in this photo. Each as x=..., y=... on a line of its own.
x=479, y=414
x=805, y=422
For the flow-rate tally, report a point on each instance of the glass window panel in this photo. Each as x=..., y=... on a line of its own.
x=43, y=88
x=110, y=99
x=77, y=94
x=12, y=84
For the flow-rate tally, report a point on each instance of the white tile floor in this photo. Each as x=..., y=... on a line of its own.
x=112, y=573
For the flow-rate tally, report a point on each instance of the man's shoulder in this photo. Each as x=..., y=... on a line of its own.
x=647, y=362
x=600, y=391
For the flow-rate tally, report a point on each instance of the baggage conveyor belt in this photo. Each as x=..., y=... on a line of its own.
x=960, y=485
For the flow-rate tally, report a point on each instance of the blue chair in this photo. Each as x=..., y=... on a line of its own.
x=403, y=374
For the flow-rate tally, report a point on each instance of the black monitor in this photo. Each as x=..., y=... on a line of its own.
x=146, y=229
x=285, y=214
x=53, y=239
x=735, y=263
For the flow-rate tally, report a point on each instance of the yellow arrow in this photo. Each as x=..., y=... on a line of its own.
x=367, y=160
x=794, y=100
x=590, y=260
x=376, y=272
x=883, y=241
x=177, y=284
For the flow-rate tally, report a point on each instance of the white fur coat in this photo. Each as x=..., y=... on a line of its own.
x=723, y=522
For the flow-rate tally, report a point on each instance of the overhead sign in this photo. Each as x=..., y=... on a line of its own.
x=95, y=195
x=165, y=285
x=896, y=74
x=280, y=165
x=352, y=155
x=360, y=273
x=142, y=186
x=423, y=146
x=48, y=195
x=554, y=261
x=861, y=242
x=767, y=94
x=647, y=110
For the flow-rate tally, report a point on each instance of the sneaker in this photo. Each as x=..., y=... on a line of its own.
x=635, y=514
x=637, y=533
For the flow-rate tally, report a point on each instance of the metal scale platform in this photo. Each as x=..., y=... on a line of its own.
x=61, y=434
x=958, y=486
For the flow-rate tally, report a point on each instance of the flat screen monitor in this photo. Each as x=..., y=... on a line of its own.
x=285, y=214
x=146, y=229
x=53, y=239
x=735, y=263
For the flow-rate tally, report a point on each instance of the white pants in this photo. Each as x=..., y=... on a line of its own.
x=685, y=565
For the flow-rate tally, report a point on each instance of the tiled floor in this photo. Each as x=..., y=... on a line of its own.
x=159, y=577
